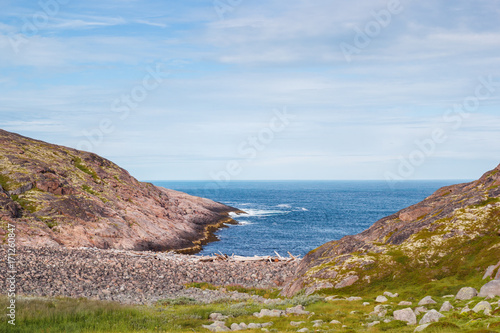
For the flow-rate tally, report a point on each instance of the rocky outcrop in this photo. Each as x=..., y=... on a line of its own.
x=58, y=196
x=436, y=237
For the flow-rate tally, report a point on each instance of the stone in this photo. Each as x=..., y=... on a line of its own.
x=421, y=328
x=419, y=310
x=380, y=310
x=387, y=320
x=333, y=298
x=335, y=322
x=253, y=326
x=353, y=299
x=406, y=315
x=373, y=323
x=465, y=310
x=217, y=316
x=366, y=303
x=381, y=299
x=391, y=295
x=217, y=326
x=491, y=288
x=318, y=286
x=405, y=303
x=482, y=306
x=298, y=310
x=267, y=324
x=348, y=281
x=430, y=317
x=303, y=330
x=318, y=321
x=269, y=313
x=236, y=327
x=446, y=307
x=297, y=323
x=466, y=293
x=427, y=300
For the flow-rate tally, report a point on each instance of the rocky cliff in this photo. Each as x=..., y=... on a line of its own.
x=58, y=196
x=453, y=232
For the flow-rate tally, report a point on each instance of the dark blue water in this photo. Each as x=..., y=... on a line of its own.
x=298, y=216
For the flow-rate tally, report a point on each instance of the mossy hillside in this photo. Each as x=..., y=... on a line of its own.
x=451, y=250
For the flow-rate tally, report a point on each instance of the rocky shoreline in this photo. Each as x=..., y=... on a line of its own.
x=137, y=277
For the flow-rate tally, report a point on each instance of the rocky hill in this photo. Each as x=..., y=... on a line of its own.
x=454, y=232
x=58, y=196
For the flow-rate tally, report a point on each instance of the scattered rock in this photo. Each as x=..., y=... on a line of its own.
x=391, y=295
x=380, y=310
x=405, y=303
x=421, y=328
x=419, y=310
x=333, y=298
x=366, y=303
x=373, y=323
x=303, y=330
x=319, y=321
x=381, y=299
x=217, y=317
x=465, y=310
x=253, y=326
x=318, y=286
x=217, y=326
x=269, y=313
x=236, y=327
x=490, y=270
x=298, y=310
x=297, y=323
x=446, y=307
x=348, y=281
x=353, y=299
x=406, y=315
x=430, y=317
x=427, y=300
x=482, y=306
x=335, y=322
x=491, y=288
x=466, y=293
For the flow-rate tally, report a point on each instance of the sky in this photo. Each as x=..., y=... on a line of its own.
x=259, y=89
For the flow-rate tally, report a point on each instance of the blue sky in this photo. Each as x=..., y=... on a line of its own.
x=366, y=89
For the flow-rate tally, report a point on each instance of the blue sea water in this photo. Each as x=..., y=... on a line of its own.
x=298, y=216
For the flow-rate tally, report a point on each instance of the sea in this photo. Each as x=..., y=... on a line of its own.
x=299, y=216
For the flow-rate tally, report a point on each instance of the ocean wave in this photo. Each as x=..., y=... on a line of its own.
x=284, y=206
x=258, y=213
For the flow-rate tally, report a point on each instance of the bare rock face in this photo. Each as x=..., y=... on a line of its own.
x=432, y=237
x=58, y=196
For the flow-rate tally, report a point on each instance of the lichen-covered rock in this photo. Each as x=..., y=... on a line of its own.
x=446, y=307
x=466, y=293
x=406, y=315
x=430, y=317
x=482, y=306
x=491, y=288
x=427, y=300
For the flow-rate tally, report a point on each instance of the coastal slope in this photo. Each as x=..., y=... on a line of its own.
x=454, y=232
x=58, y=196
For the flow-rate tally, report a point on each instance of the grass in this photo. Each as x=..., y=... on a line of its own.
x=80, y=165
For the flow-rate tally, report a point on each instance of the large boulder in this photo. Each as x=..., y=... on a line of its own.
x=466, y=293
x=492, y=288
x=406, y=315
x=482, y=306
x=426, y=301
x=430, y=317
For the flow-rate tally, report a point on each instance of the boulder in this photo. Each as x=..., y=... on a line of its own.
x=269, y=313
x=482, y=306
x=253, y=326
x=380, y=310
x=446, y=307
x=391, y=295
x=405, y=303
x=406, y=315
x=217, y=316
x=373, y=323
x=318, y=286
x=492, y=288
x=430, y=317
x=381, y=299
x=490, y=270
x=297, y=323
x=217, y=326
x=335, y=322
x=298, y=310
x=465, y=310
x=348, y=281
x=353, y=298
x=466, y=293
x=421, y=328
x=303, y=330
x=426, y=301
x=419, y=310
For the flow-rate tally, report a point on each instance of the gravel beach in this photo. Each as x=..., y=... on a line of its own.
x=134, y=277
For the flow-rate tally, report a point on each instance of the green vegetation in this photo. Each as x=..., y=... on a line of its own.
x=487, y=202
x=80, y=165
x=25, y=202
x=5, y=182
x=89, y=190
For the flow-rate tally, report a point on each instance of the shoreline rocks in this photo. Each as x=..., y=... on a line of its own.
x=138, y=277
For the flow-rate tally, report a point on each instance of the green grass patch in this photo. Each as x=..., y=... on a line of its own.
x=80, y=165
